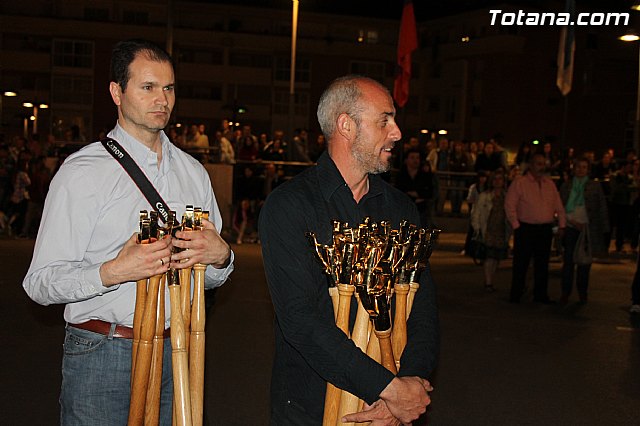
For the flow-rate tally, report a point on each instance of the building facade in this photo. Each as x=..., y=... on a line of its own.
x=473, y=79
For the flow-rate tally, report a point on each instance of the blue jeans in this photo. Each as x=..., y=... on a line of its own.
x=96, y=380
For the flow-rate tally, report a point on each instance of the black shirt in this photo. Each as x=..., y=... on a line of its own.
x=310, y=349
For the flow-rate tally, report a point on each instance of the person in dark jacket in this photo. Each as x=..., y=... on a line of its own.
x=357, y=116
x=586, y=212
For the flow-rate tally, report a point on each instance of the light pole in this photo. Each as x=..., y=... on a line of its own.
x=632, y=36
x=292, y=75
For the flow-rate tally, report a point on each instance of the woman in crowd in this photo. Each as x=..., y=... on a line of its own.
x=17, y=202
x=524, y=155
x=586, y=210
x=417, y=184
x=491, y=227
x=476, y=188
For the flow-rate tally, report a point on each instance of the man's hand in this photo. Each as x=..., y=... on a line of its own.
x=206, y=247
x=377, y=413
x=137, y=261
x=407, y=397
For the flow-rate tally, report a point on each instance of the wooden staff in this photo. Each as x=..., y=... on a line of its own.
x=335, y=297
x=197, y=346
x=188, y=224
x=399, y=335
x=185, y=303
x=386, y=351
x=332, y=397
x=413, y=288
x=373, y=348
x=152, y=407
x=144, y=237
x=360, y=337
x=144, y=354
x=179, y=359
x=141, y=295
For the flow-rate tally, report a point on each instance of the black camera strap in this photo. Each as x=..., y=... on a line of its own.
x=140, y=179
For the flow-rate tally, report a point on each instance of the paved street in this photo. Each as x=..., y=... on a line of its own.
x=500, y=364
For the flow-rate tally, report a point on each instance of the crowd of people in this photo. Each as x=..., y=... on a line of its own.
x=540, y=199
x=239, y=144
x=24, y=182
x=433, y=173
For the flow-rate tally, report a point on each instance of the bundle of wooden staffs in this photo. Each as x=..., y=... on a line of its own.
x=187, y=331
x=372, y=262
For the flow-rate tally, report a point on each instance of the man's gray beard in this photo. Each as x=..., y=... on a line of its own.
x=368, y=160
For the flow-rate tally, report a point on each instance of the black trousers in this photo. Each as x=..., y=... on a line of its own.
x=529, y=241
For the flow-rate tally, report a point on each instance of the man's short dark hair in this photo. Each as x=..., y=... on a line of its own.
x=125, y=52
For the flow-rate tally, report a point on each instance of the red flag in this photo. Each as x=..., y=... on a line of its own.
x=407, y=43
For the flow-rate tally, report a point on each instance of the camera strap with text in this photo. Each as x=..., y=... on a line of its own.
x=140, y=179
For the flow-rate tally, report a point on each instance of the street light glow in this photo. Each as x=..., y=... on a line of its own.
x=9, y=93
x=629, y=37
x=27, y=104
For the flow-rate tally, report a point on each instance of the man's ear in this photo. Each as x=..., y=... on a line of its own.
x=345, y=126
x=116, y=92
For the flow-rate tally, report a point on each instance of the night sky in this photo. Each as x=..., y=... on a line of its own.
x=424, y=9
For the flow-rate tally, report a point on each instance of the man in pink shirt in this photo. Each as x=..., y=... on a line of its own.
x=532, y=205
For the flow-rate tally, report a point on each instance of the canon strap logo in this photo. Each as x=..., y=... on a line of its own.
x=138, y=177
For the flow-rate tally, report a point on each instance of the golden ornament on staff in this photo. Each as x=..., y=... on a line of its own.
x=373, y=262
x=187, y=331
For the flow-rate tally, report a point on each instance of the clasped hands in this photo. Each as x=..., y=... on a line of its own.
x=139, y=261
x=401, y=402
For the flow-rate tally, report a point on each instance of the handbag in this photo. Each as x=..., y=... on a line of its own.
x=477, y=249
x=582, y=250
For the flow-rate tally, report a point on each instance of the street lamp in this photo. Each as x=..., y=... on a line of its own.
x=633, y=36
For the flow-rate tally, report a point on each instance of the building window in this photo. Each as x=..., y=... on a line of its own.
x=24, y=42
x=367, y=36
x=135, y=17
x=250, y=60
x=281, y=103
x=252, y=94
x=433, y=104
x=72, y=89
x=190, y=90
x=201, y=56
x=96, y=14
x=73, y=53
x=374, y=70
x=283, y=69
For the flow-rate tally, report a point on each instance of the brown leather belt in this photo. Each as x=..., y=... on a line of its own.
x=103, y=327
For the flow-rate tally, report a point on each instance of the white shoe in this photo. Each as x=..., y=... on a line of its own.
x=635, y=309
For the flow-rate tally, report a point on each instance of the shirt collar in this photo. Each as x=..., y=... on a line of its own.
x=332, y=179
x=141, y=154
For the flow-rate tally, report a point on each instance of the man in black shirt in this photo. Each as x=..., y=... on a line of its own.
x=356, y=114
